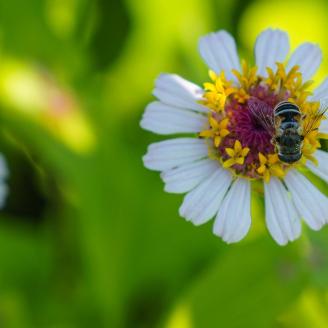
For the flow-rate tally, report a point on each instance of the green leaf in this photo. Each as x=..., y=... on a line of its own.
x=249, y=286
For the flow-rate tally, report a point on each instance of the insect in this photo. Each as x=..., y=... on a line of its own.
x=286, y=125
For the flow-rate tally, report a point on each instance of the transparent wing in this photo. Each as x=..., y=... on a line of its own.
x=263, y=114
x=312, y=121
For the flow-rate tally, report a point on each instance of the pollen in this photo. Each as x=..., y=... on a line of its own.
x=237, y=138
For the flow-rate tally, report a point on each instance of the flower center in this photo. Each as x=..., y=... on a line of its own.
x=239, y=120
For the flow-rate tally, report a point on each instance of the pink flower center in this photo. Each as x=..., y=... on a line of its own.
x=245, y=127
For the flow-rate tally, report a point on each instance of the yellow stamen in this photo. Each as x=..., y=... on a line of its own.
x=308, y=149
x=247, y=78
x=217, y=91
x=237, y=155
x=289, y=83
x=218, y=130
x=270, y=166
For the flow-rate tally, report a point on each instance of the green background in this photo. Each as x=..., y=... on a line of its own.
x=88, y=237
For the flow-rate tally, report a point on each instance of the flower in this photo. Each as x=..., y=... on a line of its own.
x=227, y=147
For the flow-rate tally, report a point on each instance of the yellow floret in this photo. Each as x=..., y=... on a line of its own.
x=237, y=155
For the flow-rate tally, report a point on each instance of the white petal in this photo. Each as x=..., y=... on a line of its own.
x=271, y=46
x=203, y=202
x=310, y=203
x=168, y=154
x=165, y=119
x=321, y=170
x=321, y=92
x=281, y=216
x=234, y=218
x=220, y=53
x=187, y=177
x=324, y=126
x=173, y=90
x=308, y=56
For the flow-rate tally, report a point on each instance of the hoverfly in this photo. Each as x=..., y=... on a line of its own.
x=286, y=125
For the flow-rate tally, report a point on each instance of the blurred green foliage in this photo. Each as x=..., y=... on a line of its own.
x=88, y=237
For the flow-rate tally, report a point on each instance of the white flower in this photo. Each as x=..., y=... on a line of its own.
x=226, y=148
